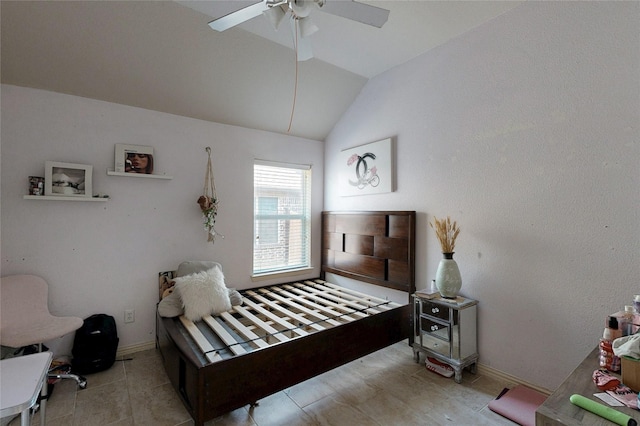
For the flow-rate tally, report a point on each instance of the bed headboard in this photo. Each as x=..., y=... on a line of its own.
x=377, y=247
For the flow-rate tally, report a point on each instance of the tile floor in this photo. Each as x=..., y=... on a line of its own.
x=384, y=388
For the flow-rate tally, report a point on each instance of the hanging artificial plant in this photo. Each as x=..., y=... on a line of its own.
x=208, y=202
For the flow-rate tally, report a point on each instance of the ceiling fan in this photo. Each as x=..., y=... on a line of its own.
x=298, y=12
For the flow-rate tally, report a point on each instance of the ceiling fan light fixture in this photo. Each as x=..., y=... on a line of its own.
x=302, y=8
x=275, y=15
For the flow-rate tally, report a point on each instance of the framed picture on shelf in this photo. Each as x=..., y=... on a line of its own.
x=36, y=185
x=67, y=179
x=133, y=159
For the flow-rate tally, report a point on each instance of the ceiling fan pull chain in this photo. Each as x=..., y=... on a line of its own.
x=295, y=84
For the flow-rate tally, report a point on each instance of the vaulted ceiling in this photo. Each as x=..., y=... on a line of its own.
x=162, y=55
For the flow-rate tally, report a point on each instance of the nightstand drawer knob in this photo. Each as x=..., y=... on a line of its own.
x=435, y=310
x=434, y=328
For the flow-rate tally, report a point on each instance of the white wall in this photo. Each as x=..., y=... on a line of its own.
x=105, y=257
x=526, y=132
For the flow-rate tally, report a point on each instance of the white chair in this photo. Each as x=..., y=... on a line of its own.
x=25, y=320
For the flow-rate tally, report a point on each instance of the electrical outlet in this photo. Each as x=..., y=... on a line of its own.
x=129, y=315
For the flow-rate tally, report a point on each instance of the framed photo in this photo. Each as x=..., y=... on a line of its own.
x=67, y=179
x=367, y=169
x=133, y=159
x=36, y=185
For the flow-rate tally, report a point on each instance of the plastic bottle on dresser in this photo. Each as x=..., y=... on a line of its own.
x=626, y=321
x=607, y=358
x=614, y=328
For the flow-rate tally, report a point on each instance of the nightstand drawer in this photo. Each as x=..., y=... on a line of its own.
x=434, y=328
x=435, y=310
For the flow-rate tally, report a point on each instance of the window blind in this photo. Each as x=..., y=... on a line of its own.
x=282, y=217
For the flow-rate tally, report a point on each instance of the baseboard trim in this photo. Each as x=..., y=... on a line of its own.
x=131, y=349
x=497, y=374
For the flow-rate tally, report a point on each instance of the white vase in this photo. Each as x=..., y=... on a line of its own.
x=448, y=278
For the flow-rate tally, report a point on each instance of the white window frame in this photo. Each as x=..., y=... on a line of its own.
x=261, y=253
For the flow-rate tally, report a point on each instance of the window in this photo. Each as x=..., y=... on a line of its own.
x=282, y=217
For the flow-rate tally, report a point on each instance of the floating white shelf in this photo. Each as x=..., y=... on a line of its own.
x=62, y=198
x=112, y=172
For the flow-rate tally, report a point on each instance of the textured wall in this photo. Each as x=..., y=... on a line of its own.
x=105, y=257
x=524, y=130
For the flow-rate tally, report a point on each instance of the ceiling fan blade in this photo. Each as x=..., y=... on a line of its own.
x=367, y=14
x=238, y=17
x=307, y=27
x=276, y=15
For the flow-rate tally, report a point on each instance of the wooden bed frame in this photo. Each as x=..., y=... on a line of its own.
x=375, y=247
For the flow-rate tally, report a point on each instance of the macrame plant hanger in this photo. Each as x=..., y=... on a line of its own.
x=208, y=202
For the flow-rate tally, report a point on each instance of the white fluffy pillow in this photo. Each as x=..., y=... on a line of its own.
x=203, y=293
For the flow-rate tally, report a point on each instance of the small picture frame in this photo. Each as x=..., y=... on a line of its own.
x=36, y=185
x=67, y=179
x=133, y=159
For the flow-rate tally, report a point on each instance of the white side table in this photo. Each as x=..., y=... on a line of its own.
x=21, y=380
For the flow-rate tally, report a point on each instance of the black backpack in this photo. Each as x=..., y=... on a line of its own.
x=95, y=345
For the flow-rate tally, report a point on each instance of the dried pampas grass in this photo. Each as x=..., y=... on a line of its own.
x=446, y=232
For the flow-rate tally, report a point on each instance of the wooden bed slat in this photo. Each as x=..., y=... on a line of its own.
x=243, y=330
x=359, y=303
x=351, y=294
x=278, y=307
x=302, y=308
x=291, y=327
x=378, y=302
x=201, y=341
x=314, y=308
x=349, y=307
x=263, y=325
x=227, y=338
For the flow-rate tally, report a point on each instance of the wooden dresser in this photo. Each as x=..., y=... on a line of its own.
x=558, y=410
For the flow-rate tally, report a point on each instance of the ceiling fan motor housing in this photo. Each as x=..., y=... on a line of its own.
x=302, y=8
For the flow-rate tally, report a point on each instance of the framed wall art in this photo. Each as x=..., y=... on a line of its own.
x=134, y=159
x=367, y=169
x=67, y=179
